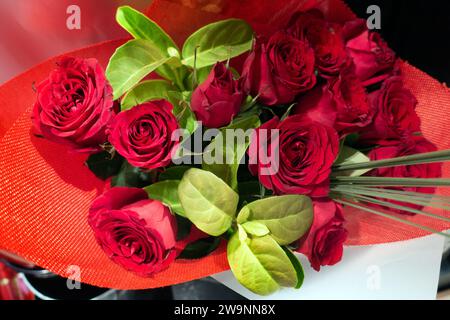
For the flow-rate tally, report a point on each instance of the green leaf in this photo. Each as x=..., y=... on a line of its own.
x=130, y=176
x=260, y=264
x=186, y=118
x=141, y=27
x=132, y=62
x=288, y=111
x=207, y=201
x=201, y=75
x=103, y=166
x=349, y=155
x=287, y=217
x=297, y=266
x=218, y=41
x=218, y=150
x=173, y=173
x=200, y=248
x=183, y=227
x=255, y=228
x=146, y=91
x=167, y=193
x=182, y=110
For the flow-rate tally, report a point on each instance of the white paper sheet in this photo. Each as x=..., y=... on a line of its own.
x=401, y=270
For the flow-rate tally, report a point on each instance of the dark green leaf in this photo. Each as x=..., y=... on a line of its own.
x=200, y=248
x=173, y=173
x=130, y=176
x=183, y=227
x=297, y=266
x=103, y=166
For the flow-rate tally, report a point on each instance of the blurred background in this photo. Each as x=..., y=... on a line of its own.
x=31, y=31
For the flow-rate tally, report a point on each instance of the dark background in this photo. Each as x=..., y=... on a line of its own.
x=418, y=31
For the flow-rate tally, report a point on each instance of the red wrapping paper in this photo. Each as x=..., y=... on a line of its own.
x=46, y=191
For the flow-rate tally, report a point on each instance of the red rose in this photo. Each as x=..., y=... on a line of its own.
x=74, y=105
x=143, y=134
x=414, y=145
x=279, y=69
x=373, y=59
x=307, y=150
x=217, y=100
x=342, y=103
x=323, y=244
x=325, y=38
x=136, y=232
x=395, y=115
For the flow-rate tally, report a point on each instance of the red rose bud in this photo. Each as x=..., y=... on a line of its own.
x=342, y=103
x=395, y=115
x=323, y=244
x=307, y=150
x=373, y=59
x=218, y=99
x=135, y=232
x=415, y=145
x=143, y=134
x=74, y=105
x=324, y=37
x=279, y=69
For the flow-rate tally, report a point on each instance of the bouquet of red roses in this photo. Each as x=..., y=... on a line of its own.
x=255, y=140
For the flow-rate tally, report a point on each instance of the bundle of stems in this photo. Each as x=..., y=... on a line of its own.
x=372, y=194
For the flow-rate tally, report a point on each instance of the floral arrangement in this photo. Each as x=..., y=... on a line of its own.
x=256, y=141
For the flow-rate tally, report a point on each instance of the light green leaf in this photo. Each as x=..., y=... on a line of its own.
x=132, y=62
x=166, y=192
x=141, y=27
x=260, y=264
x=287, y=217
x=146, y=91
x=207, y=201
x=349, y=155
x=219, y=150
x=218, y=41
x=255, y=228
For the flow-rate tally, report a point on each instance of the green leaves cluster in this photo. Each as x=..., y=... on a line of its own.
x=152, y=50
x=259, y=230
x=208, y=198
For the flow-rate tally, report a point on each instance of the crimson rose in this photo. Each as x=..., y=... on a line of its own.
x=323, y=244
x=373, y=59
x=279, y=69
x=415, y=145
x=395, y=115
x=74, y=105
x=143, y=134
x=218, y=99
x=325, y=38
x=342, y=103
x=307, y=150
x=136, y=232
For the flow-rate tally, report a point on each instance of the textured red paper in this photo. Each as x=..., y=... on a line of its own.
x=45, y=191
